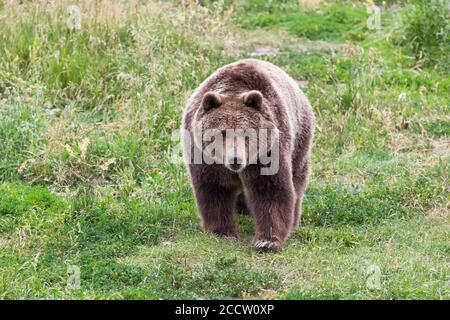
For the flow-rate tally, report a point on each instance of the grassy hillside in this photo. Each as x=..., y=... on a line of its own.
x=88, y=180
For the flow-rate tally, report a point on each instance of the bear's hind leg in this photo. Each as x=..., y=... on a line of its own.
x=216, y=205
x=300, y=179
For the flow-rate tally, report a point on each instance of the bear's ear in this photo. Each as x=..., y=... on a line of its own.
x=211, y=100
x=253, y=99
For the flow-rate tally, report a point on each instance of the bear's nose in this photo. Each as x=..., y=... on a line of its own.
x=235, y=163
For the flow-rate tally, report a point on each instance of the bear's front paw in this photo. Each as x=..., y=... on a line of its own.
x=267, y=245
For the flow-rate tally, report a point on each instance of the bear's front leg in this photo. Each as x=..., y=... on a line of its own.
x=216, y=205
x=271, y=200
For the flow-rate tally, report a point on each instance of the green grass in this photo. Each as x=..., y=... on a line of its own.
x=86, y=177
x=330, y=22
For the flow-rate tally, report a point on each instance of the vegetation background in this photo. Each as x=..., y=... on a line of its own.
x=91, y=92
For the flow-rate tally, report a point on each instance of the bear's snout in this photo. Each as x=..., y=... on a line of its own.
x=235, y=163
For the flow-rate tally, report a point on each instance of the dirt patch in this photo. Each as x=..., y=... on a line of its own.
x=309, y=4
x=441, y=148
x=276, y=42
x=438, y=212
x=401, y=143
x=309, y=45
x=264, y=50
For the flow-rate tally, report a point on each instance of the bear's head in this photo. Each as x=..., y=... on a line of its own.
x=234, y=129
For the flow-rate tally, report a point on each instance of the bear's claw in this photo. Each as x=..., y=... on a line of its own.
x=266, y=245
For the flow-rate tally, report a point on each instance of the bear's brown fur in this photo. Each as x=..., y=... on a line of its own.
x=250, y=94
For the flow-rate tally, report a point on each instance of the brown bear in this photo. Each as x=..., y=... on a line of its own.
x=226, y=171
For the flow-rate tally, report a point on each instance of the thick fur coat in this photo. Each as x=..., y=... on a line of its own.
x=250, y=94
